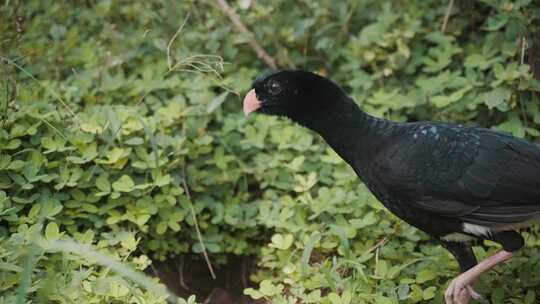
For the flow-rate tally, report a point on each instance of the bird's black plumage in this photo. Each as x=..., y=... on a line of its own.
x=449, y=180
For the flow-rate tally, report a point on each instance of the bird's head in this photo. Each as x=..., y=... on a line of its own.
x=292, y=93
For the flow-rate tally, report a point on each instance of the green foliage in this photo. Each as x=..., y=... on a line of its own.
x=39, y=268
x=98, y=136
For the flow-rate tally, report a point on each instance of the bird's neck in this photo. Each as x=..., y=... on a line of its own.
x=351, y=132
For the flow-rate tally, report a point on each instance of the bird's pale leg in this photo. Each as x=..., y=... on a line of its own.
x=465, y=281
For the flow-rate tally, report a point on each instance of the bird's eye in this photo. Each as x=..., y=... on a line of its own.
x=274, y=87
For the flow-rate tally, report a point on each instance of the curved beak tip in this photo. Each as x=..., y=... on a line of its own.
x=251, y=103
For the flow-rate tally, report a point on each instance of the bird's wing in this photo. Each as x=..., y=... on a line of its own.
x=473, y=174
x=505, y=179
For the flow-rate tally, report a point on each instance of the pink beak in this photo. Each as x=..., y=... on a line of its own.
x=251, y=103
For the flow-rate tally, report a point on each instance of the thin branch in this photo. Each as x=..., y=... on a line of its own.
x=244, y=274
x=8, y=94
x=447, y=15
x=240, y=27
x=199, y=234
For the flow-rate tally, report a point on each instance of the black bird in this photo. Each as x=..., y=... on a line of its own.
x=454, y=182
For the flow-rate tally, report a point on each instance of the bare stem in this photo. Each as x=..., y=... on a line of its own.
x=171, y=41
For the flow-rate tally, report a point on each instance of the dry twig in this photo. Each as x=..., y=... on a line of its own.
x=240, y=27
x=181, y=273
x=196, y=223
x=447, y=15
x=377, y=245
x=524, y=46
x=171, y=41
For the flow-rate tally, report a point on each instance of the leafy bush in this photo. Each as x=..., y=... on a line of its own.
x=99, y=136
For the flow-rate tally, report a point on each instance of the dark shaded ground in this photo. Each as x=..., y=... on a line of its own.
x=188, y=274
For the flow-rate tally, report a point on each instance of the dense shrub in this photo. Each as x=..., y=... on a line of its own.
x=98, y=137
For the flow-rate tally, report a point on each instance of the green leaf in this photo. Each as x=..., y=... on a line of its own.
x=497, y=21
x=91, y=127
x=442, y=100
x=90, y=208
x=268, y=289
x=497, y=296
x=306, y=253
x=128, y=241
x=429, y=293
x=379, y=299
x=12, y=144
x=403, y=291
x=216, y=102
x=114, y=155
x=425, y=275
x=51, y=231
x=103, y=184
x=381, y=269
x=134, y=141
x=123, y=184
x=497, y=98
x=51, y=208
x=16, y=165
x=255, y=294
x=281, y=242
x=10, y=267
x=512, y=125
x=161, y=227
x=530, y=298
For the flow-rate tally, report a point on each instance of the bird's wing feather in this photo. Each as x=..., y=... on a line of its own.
x=473, y=174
